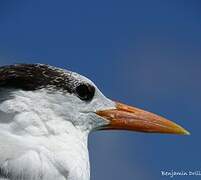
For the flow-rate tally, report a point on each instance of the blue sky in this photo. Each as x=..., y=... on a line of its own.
x=144, y=53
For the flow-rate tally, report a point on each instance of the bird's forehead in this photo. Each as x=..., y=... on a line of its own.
x=80, y=78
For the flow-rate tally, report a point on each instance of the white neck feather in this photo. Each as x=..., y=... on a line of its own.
x=37, y=142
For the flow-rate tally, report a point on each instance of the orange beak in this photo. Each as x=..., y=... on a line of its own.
x=130, y=118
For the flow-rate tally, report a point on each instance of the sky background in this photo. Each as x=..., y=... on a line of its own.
x=143, y=53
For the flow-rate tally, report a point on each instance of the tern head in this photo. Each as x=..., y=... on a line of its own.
x=79, y=101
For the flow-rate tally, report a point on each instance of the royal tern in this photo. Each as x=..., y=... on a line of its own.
x=46, y=114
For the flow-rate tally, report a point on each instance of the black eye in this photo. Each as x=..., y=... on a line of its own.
x=85, y=92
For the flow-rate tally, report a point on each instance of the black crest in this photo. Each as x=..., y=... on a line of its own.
x=36, y=76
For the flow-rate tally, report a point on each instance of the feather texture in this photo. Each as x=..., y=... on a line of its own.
x=37, y=143
x=44, y=125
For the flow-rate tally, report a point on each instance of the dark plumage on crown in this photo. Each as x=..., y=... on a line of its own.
x=31, y=77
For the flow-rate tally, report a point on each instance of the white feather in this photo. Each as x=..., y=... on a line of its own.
x=43, y=136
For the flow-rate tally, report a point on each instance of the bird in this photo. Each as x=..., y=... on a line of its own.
x=46, y=115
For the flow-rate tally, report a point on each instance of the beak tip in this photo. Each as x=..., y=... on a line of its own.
x=182, y=131
x=185, y=132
